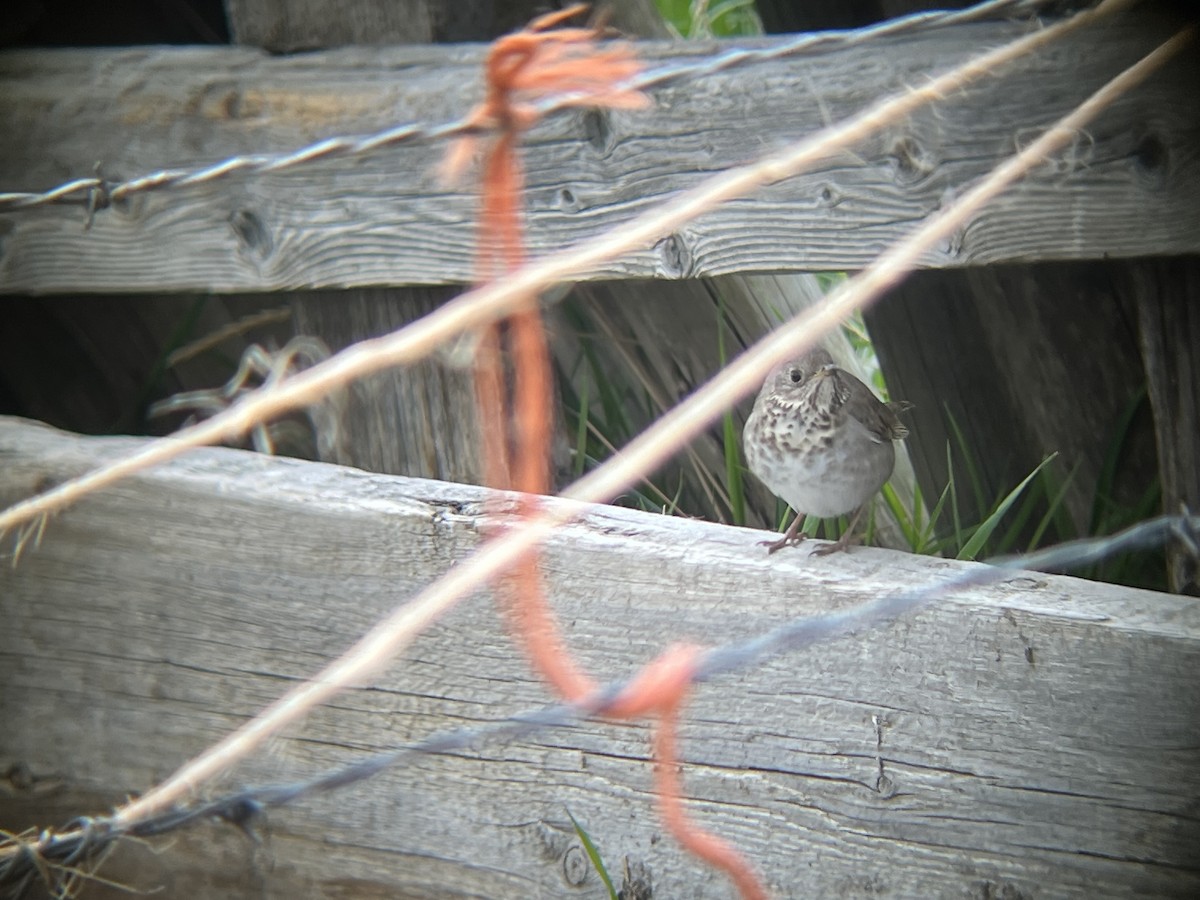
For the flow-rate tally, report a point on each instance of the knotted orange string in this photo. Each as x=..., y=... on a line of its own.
x=521, y=68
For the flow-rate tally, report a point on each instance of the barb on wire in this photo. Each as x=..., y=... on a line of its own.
x=24, y=860
x=97, y=194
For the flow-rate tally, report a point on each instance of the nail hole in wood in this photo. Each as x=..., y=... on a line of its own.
x=575, y=866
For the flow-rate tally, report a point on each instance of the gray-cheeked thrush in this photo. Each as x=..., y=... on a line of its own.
x=822, y=441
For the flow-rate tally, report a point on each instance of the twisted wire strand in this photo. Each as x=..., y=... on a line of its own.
x=397, y=629
x=93, y=834
x=97, y=193
x=85, y=837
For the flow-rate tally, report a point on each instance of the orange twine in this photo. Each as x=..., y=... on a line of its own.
x=521, y=67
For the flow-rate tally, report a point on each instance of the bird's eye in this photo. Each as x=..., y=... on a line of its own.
x=796, y=376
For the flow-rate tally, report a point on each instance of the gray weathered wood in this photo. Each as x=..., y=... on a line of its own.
x=379, y=427
x=285, y=26
x=1024, y=361
x=1168, y=295
x=417, y=421
x=1131, y=186
x=1035, y=738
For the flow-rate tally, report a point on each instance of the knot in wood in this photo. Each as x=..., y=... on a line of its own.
x=1150, y=162
x=675, y=257
x=911, y=163
x=575, y=866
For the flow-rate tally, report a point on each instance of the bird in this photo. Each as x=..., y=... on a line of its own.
x=822, y=441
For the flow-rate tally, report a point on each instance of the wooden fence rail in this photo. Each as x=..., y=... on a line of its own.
x=1033, y=738
x=1130, y=187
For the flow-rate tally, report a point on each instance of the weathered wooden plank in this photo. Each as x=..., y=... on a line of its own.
x=1024, y=361
x=1035, y=738
x=1168, y=294
x=1129, y=188
x=285, y=26
x=418, y=420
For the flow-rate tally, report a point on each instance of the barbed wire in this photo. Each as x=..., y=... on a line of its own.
x=84, y=838
x=97, y=193
x=242, y=808
x=396, y=630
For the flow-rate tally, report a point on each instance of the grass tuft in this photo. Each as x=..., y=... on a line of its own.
x=594, y=855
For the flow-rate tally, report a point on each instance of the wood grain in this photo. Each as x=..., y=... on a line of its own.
x=420, y=420
x=1129, y=187
x=1035, y=738
x=1167, y=293
x=1023, y=362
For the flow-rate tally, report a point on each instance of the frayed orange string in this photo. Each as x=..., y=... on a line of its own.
x=520, y=67
x=660, y=690
x=491, y=407
x=694, y=839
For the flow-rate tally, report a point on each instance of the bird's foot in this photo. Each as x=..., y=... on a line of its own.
x=788, y=540
x=790, y=537
x=841, y=545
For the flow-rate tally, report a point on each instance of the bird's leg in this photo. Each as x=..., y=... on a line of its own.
x=847, y=539
x=790, y=537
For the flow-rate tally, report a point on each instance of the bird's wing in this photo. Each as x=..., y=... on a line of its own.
x=871, y=412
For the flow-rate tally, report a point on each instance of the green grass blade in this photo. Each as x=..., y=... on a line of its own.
x=1103, y=505
x=956, y=515
x=969, y=461
x=677, y=14
x=673, y=506
x=971, y=549
x=1051, y=516
x=1022, y=513
x=928, y=545
x=733, y=18
x=733, y=471
x=918, y=510
x=594, y=855
x=907, y=527
x=581, y=429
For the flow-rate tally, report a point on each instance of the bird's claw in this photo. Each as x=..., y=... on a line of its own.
x=841, y=545
x=788, y=540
